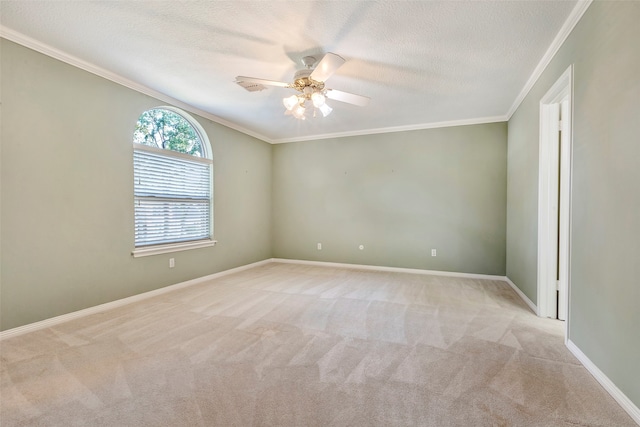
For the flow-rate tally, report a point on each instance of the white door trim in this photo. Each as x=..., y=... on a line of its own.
x=557, y=99
x=566, y=157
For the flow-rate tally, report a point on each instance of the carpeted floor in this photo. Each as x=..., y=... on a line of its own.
x=292, y=345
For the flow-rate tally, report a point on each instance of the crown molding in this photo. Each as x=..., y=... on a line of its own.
x=570, y=23
x=573, y=19
x=51, y=51
x=45, y=49
x=451, y=123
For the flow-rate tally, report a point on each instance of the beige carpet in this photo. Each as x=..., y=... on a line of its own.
x=290, y=345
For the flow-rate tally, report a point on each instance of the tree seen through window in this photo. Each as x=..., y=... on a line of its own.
x=167, y=130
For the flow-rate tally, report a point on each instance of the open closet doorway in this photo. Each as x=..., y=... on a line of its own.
x=554, y=199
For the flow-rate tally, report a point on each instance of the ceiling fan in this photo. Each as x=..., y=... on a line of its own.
x=310, y=82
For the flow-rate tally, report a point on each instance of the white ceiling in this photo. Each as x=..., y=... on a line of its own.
x=422, y=63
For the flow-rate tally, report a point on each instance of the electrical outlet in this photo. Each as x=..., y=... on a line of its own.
x=433, y=252
x=319, y=246
x=172, y=262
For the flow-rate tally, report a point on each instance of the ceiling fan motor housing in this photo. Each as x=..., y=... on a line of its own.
x=301, y=81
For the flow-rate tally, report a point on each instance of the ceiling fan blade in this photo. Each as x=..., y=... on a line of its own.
x=349, y=98
x=326, y=67
x=261, y=81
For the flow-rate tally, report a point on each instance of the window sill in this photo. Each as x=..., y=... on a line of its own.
x=173, y=247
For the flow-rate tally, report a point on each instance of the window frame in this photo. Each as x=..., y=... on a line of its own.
x=207, y=157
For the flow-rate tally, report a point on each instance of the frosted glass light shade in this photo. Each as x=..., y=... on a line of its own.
x=318, y=99
x=290, y=102
x=325, y=110
x=298, y=112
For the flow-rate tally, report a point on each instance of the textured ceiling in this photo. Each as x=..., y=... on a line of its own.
x=420, y=62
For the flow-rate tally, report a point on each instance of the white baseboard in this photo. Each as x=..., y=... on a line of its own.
x=389, y=269
x=135, y=298
x=525, y=298
x=521, y=294
x=47, y=323
x=609, y=386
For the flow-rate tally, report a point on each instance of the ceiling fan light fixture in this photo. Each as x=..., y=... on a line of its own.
x=298, y=112
x=290, y=102
x=310, y=85
x=318, y=99
x=325, y=110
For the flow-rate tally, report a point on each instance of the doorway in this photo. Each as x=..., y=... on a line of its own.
x=554, y=199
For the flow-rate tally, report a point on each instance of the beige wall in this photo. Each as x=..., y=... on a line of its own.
x=67, y=196
x=605, y=219
x=67, y=193
x=400, y=195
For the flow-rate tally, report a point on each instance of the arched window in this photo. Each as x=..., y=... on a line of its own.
x=172, y=168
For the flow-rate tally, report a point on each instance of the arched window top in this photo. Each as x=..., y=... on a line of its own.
x=168, y=128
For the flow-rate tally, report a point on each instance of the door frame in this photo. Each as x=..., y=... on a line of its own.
x=558, y=98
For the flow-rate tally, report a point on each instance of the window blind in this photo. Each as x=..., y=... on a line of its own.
x=172, y=198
